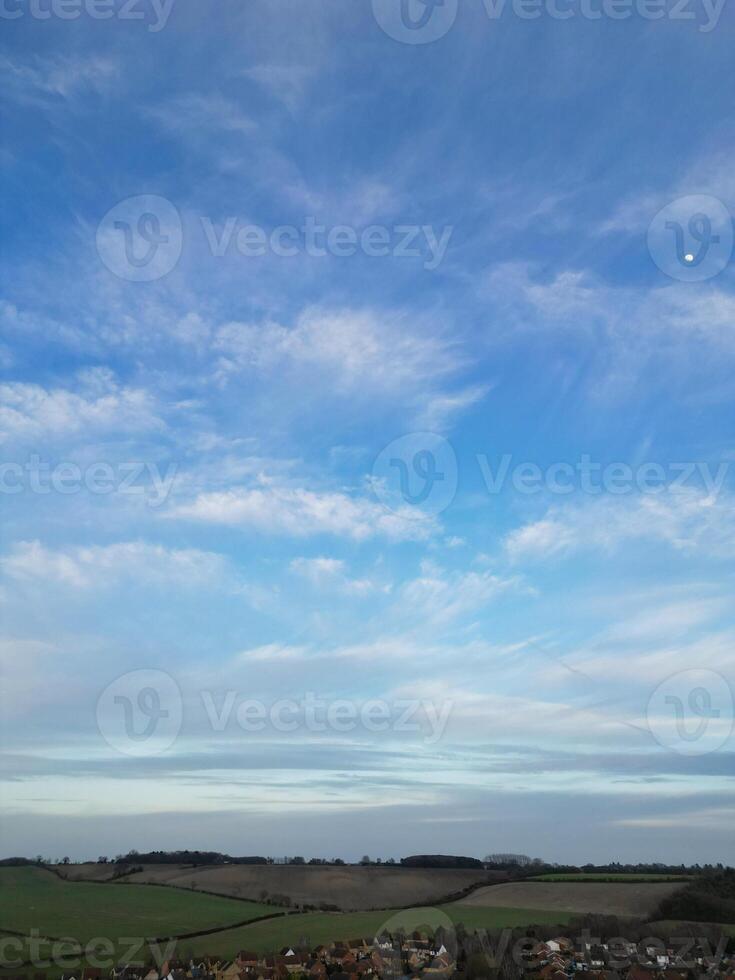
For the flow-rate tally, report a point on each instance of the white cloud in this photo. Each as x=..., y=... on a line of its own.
x=442, y=409
x=105, y=565
x=60, y=78
x=302, y=513
x=613, y=658
x=331, y=573
x=437, y=597
x=667, y=619
x=376, y=360
x=30, y=411
x=390, y=649
x=271, y=652
x=512, y=287
x=355, y=348
x=708, y=819
x=194, y=117
x=524, y=718
x=710, y=175
x=357, y=202
x=634, y=214
x=287, y=83
x=686, y=521
x=318, y=570
x=633, y=324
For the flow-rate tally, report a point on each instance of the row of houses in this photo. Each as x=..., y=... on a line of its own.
x=375, y=957
x=420, y=957
x=560, y=959
x=371, y=958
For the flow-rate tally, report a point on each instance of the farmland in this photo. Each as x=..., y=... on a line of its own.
x=321, y=927
x=347, y=888
x=33, y=898
x=611, y=898
x=625, y=878
x=82, y=905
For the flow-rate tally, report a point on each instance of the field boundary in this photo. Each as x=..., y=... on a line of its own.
x=165, y=884
x=164, y=939
x=449, y=899
x=612, y=880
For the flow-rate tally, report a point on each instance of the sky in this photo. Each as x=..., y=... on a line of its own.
x=366, y=428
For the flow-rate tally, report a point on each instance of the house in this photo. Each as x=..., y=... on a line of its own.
x=228, y=970
x=294, y=962
x=247, y=959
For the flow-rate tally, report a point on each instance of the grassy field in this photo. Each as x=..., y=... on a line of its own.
x=348, y=888
x=629, y=878
x=639, y=899
x=472, y=917
x=319, y=927
x=31, y=898
x=691, y=928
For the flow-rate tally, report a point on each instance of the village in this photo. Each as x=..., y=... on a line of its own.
x=471, y=958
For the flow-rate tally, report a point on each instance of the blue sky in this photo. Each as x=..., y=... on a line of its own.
x=249, y=415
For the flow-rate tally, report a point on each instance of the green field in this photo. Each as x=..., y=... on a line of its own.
x=310, y=927
x=475, y=917
x=604, y=878
x=320, y=927
x=671, y=925
x=34, y=899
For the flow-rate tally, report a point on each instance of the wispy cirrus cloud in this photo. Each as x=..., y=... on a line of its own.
x=47, y=81
x=709, y=174
x=286, y=83
x=301, y=512
x=629, y=333
x=31, y=411
x=193, y=115
x=439, y=597
x=360, y=354
x=332, y=574
x=100, y=566
x=354, y=347
x=685, y=521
